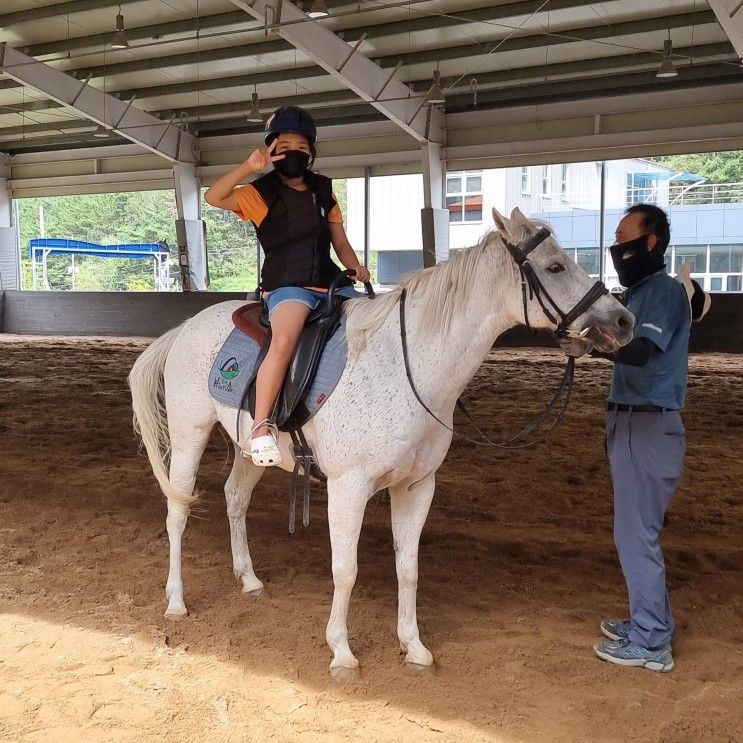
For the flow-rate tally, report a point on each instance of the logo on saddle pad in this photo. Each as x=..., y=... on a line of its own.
x=230, y=369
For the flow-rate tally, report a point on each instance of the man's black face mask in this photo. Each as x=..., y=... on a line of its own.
x=633, y=261
x=293, y=164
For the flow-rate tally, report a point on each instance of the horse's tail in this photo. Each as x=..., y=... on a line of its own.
x=150, y=417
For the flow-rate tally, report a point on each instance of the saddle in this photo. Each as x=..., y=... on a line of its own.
x=290, y=410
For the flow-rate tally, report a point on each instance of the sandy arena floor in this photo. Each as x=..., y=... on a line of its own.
x=517, y=568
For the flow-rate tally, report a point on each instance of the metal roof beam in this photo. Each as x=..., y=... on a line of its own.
x=220, y=20
x=636, y=60
x=606, y=74
x=730, y=16
x=347, y=65
x=38, y=13
x=518, y=76
x=202, y=24
x=139, y=127
x=517, y=43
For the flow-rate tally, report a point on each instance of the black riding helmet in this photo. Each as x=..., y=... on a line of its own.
x=290, y=119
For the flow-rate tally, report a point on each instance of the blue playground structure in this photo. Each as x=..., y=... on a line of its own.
x=40, y=248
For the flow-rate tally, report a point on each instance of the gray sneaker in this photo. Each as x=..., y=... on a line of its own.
x=626, y=653
x=618, y=629
x=615, y=629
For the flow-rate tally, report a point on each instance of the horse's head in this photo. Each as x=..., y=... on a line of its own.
x=565, y=286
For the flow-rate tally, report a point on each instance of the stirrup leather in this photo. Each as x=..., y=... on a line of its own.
x=264, y=450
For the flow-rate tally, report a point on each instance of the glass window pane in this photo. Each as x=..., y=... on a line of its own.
x=588, y=260
x=726, y=258
x=473, y=208
x=735, y=283
x=453, y=184
x=454, y=204
x=694, y=255
x=715, y=284
x=474, y=183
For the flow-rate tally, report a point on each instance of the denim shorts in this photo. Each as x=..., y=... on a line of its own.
x=307, y=297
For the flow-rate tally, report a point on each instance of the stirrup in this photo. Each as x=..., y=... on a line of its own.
x=264, y=450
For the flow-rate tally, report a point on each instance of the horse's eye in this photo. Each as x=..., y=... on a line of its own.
x=556, y=268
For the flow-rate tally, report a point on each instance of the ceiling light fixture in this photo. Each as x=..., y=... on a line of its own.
x=667, y=68
x=254, y=114
x=319, y=10
x=119, y=40
x=100, y=132
x=435, y=94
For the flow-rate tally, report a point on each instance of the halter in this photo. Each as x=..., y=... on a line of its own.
x=520, y=254
x=536, y=289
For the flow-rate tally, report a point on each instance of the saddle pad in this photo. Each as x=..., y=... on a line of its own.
x=233, y=368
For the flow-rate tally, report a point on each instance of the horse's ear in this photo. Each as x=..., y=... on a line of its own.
x=518, y=216
x=501, y=222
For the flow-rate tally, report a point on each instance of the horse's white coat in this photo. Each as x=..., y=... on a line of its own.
x=371, y=433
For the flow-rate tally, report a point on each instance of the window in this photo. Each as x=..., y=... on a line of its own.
x=564, y=182
x=693, y=255
x=545, y=180
x=464, y=197
x=525, y=181
x=588, y=260
x=641, y=188
x=726, y=258
x=715, y=284
x=735, y=283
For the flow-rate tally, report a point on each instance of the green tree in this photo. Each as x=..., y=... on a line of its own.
x=715, y=167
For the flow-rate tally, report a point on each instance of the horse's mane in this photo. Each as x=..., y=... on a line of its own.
x=442, y=289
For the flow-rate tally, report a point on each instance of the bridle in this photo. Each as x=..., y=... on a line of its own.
x=520, y=254
x=529, y=278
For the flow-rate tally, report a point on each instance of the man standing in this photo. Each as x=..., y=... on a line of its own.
x=645, y=437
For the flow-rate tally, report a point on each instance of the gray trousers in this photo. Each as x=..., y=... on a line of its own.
x=646, y=457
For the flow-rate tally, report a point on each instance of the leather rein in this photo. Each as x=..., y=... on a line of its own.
x=530, y=281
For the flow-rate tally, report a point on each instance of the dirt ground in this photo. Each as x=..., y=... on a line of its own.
x=517, y=568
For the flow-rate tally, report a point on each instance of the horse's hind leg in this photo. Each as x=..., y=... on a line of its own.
x=237, y=492
x=409, y=507
x=184, y=462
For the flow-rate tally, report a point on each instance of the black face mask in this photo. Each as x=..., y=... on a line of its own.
x=293, y=164
x=633, y=261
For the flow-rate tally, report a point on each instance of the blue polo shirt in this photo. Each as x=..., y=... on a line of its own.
x=661, y=309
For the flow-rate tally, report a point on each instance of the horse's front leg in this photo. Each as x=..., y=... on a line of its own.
x=409, y=510
x=237, y=491
x=347, y=498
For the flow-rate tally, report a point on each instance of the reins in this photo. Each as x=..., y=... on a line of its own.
x=536, y=288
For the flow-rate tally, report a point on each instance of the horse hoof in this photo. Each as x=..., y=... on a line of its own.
x=176, y=610
x=420, y=668
x=343, y=675
x=254, y=592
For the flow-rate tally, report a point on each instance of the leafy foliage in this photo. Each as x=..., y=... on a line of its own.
x=716, y=167
x=135, y=217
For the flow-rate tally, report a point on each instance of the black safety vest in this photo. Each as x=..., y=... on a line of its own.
x=294, y=234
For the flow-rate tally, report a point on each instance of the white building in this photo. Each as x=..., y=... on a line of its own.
x=568, y=196
x=396, y=201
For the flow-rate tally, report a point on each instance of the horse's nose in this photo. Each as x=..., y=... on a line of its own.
x=625, y=321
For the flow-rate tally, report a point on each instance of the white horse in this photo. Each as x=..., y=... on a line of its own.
x=455, y=311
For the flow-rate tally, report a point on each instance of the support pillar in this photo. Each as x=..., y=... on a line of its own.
x=434, y=217
x=190, y=229
x=10, y=258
